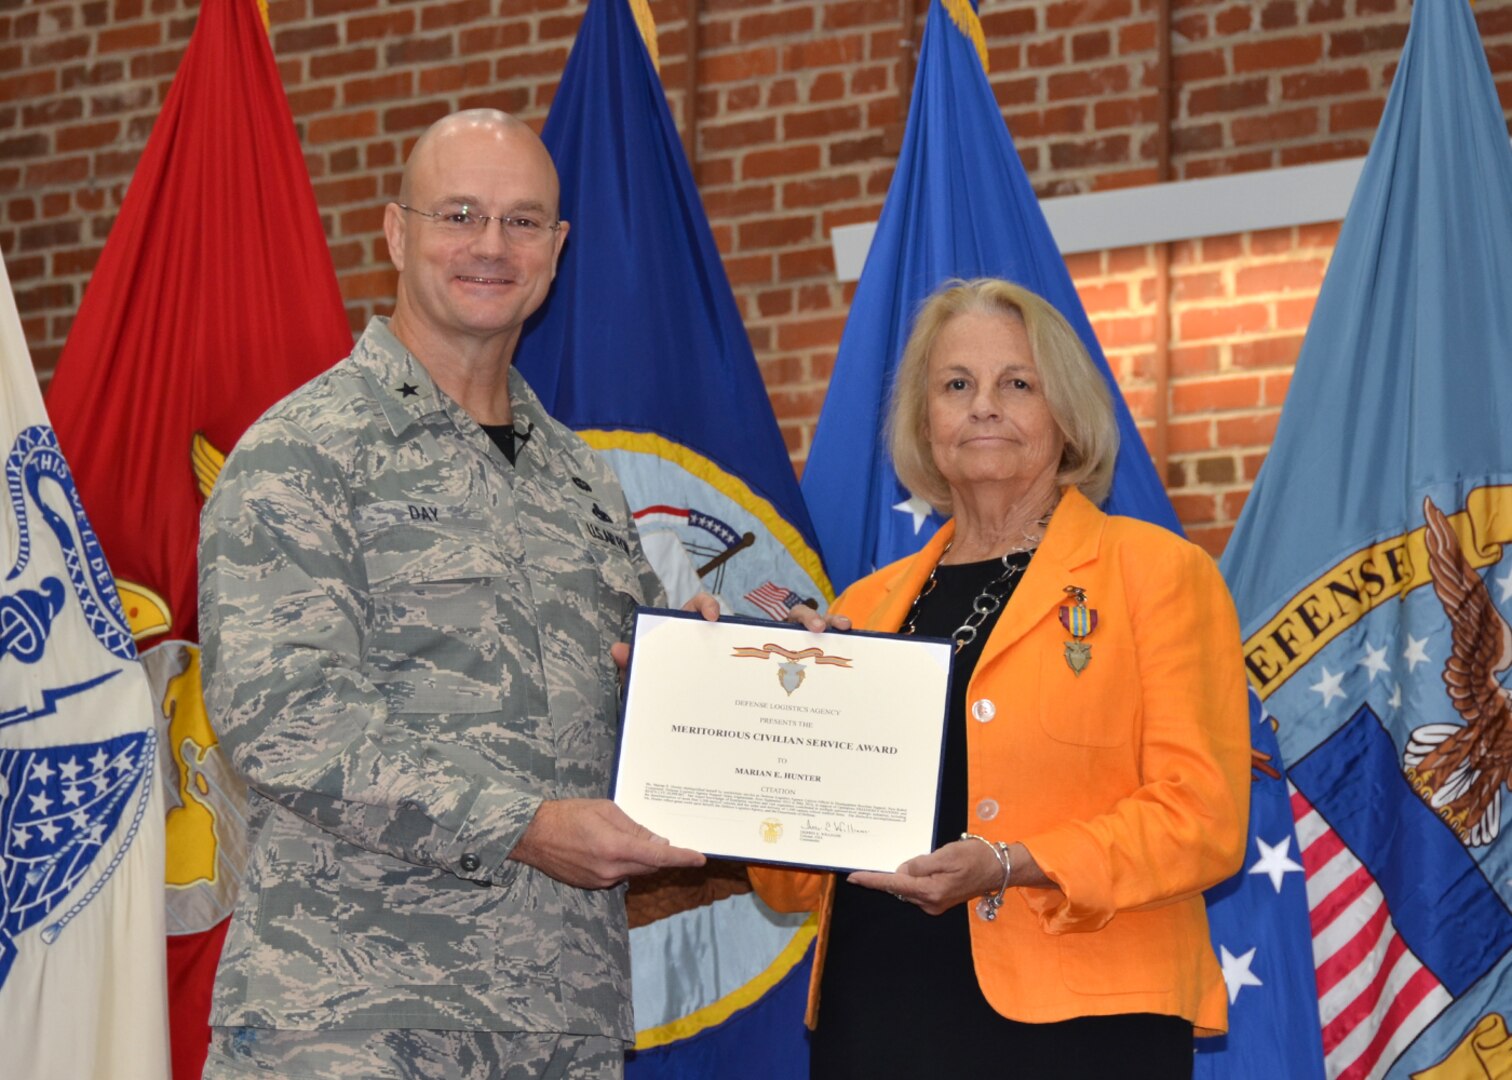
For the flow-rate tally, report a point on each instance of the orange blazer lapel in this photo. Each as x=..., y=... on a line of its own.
x=1072, y=540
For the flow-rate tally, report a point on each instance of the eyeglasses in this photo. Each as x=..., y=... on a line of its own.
x=464, y=221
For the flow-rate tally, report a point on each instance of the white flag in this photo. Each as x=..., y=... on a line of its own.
x=83, y=989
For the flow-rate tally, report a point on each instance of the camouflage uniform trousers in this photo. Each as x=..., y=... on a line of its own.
x=411, y=1054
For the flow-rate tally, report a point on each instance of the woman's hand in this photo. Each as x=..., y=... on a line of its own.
x=955, y=873
x=705, y=604
x=808, y=618
x=960, y=871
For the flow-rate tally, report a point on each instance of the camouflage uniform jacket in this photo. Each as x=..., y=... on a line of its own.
x=406, y=648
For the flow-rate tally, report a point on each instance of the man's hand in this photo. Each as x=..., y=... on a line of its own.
x=808, y=618
x=593, y=844
x=705, y=604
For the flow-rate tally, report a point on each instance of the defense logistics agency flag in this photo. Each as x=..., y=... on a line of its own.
x=958, y=165
x=1369, y=573
x=641, y=348
x=81, y=811
x=214, y=297
x=959, y=205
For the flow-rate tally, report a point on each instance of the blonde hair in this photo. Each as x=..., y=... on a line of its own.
x=1074, y=389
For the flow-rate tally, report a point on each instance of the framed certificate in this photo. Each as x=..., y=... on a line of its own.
x=769, y=743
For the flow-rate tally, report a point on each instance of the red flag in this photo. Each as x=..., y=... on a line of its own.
x=214, y=296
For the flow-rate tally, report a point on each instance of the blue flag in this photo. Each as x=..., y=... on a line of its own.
x=1367, y=567
x=1259, y=926
x=641, y=348
x=959, y=206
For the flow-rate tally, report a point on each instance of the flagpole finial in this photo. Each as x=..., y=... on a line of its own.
x=964, y=15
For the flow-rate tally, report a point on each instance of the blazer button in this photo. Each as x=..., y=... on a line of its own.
x=983, y=709
x=469, y=863
x=986, y=810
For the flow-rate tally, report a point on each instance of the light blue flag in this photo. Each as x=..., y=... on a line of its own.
x=641, y=348
x=1367, y=567
x=959, y=205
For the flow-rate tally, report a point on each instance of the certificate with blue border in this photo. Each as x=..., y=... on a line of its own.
x=766, y=742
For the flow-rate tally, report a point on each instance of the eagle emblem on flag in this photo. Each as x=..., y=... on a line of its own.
x=1460, y=770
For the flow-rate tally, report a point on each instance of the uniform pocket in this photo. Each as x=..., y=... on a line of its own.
x=435, y=647
x=404, y=543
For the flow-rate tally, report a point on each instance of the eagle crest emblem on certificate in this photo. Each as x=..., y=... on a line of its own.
x=790, y=673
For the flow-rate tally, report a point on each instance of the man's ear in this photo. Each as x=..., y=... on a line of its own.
x=393, y=234
x=561, y=241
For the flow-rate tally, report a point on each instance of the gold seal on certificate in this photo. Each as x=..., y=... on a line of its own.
x=769, y=743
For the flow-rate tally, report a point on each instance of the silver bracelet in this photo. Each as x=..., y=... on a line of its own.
x=987, y=906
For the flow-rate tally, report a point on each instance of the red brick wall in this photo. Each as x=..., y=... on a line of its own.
x=798, y=113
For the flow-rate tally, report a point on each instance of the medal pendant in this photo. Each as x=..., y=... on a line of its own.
x=1079, y=620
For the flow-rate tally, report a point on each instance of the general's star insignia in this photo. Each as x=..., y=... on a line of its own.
x=409, y=390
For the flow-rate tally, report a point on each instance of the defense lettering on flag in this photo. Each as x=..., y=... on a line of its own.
x=640, y=348
x=82, y=985
x=959, y=206
x=214, y=297
x=1368, y=571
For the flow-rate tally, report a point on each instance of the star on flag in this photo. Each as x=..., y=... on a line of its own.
x=1275, y=861
x=1329, y=686
x=1415, y=653
x=1375, y=661
x=918, y=508
x=1237, y=973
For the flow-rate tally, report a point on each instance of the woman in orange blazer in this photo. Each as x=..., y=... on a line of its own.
x=1096, y=774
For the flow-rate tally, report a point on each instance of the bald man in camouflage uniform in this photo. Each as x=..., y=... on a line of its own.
x=412, y=580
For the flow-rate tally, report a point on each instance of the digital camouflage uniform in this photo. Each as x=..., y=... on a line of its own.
x=406, y=648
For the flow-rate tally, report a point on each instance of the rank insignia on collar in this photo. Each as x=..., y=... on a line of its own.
x=409, y=390
x=1079, y=621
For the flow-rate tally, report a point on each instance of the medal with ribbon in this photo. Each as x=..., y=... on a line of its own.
x=1079, y=621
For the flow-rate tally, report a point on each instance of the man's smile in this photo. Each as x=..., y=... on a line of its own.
x=472, y=280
